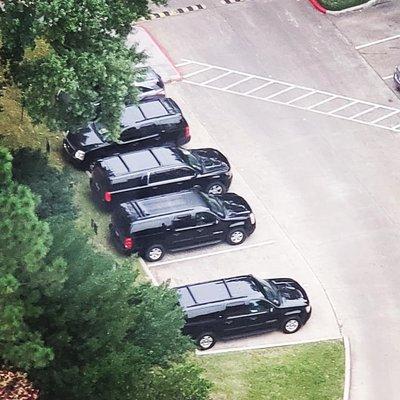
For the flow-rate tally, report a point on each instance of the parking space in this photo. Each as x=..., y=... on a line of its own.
x=377, y=39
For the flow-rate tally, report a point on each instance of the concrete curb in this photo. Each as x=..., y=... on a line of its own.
x=148, y=272
x=169, y=13
x=266, y=346
x=323, y=10
x=176, y=75
x=347, y=368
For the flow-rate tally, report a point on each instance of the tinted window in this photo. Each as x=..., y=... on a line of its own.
x=258, y=306
x=204, y=218
x=183, y=172
x=182, y=221
x=213, y=291
x=232, y=311
x=129, y=134
x=242, y=287
x=153, y=109
x=162, y=176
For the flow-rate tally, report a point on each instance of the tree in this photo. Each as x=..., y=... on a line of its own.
x=111, y=336
x=53, y=186
x=24, y=277
x=70, y=59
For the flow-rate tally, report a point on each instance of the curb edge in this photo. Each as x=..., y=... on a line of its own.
x=266, y=346
x=147, y=271
x=173, y=78
x=347, y=368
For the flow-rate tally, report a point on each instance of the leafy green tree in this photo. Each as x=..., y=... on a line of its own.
x=112, y=337
x=53, y=186
x=84, y=69
x=24, y=277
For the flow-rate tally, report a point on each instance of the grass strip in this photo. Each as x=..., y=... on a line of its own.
x=303, y=372
x=337, y=5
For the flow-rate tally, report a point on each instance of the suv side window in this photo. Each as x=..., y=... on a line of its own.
x=129, y=134
x=181, y=173
x=156, y=177
x=256, y=306
x=182, y=221
x=205, y=218
x=233, y=311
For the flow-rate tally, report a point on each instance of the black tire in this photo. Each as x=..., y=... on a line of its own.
x=291, y=325
x=154, y=253
x=215, y=188
x=206, y=341
x=236, y=236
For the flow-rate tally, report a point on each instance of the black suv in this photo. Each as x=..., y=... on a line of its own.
x=158, y=170
x=149, y=123
x=178, y=221
x=237, y=306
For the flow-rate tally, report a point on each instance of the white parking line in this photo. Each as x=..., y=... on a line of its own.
x=229, y=250
x=384, y=117
x=218, y=77
x=385, y=78
x=198, y=72
x=363, y=46
x=292, y=103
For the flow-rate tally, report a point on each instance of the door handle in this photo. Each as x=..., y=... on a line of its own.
x=253, y=318
x=228, y=322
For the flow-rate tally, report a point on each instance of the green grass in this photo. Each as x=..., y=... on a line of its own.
x=303, y=372
x=337, y=5
x=88, y=212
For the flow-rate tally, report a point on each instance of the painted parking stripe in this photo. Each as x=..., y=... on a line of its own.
x=216, y=78
x=363, y=46
x=214, y=253
x=385, y=78
x=309, y=93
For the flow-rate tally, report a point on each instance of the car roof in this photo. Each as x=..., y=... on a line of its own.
x=147, y=110
x=172, y=203
x=141, y=160
x=213, y=296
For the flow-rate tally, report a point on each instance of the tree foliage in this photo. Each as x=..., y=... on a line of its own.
x=111, y=336
x=85, y=70
x=53, y=187
x=24, y=276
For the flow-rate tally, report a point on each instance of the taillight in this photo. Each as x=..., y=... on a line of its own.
x=128, y=243
x=186, y=132
x=107, y=197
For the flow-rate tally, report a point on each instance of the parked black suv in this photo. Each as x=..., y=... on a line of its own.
x=178, y=221
x=237, y=306
x=150, y=123
x=158, y=170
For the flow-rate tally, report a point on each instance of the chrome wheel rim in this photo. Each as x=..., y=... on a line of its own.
x=206, y=341
x=215, y=189
x=237, y=237
x=292, y=325
x=155, y=253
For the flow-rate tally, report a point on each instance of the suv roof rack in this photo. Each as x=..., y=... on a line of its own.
x=219, y=290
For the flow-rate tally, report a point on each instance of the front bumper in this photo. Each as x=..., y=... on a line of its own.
x=69, y=153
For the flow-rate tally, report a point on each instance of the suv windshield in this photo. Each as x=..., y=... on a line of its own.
x=271, y=292
x=214, y=204
x=190, y=159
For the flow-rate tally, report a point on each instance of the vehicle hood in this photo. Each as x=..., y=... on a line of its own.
x=234, y=205
x=291, y=293
x=211, y=160
x=85, y=138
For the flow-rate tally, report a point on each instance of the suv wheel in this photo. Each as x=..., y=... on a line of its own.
x=216, y=188
x=206, y=340
x=291, y=325
x=154, y=253
x=236, y=236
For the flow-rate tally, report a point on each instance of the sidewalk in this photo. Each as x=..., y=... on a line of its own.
x=158, y=58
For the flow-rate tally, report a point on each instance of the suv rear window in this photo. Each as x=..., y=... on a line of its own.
x=153, y=109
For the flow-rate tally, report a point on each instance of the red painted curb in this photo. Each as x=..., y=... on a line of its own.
x=318, y=6
x=162, y=49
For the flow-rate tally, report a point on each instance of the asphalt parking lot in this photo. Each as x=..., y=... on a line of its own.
x=377, y=38
x=324, y=182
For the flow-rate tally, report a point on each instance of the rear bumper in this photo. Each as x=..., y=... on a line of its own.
x=117, y=242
